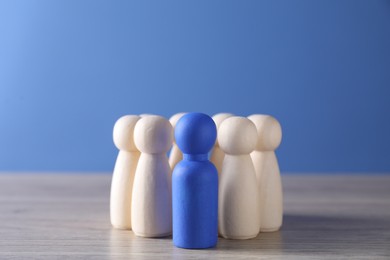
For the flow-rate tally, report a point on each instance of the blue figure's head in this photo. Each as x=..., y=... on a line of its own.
x=195, y=133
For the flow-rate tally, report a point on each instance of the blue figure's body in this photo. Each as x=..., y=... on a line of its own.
x=195, y=184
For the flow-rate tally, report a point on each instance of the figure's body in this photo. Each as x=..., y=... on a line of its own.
x=152, y=201
x=238, y=212
x=123, y=176
x=267, y=172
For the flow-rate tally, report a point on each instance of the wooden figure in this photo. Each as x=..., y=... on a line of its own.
x=123, y=176
x=217, y=154
x=175, y=155
x=151, y=210
x=195, y=184
x=238, y=212
x=266, y=165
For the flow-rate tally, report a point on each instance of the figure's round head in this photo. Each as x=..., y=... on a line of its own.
x=153, y=134
x=237, y=135
x=218, y=119
x=123, y=133
x=175, y=118
x=269, y=132
x=195, y=133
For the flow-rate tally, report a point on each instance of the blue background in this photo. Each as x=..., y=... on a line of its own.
x=69, y=69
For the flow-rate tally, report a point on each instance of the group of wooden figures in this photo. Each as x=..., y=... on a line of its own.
x=221, y=178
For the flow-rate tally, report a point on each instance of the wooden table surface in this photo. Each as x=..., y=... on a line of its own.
x=46, y=216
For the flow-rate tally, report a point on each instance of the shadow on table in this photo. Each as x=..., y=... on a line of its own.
x=300, y=235
x=125, y=243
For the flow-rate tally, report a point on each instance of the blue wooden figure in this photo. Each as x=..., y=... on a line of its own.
x=195, y=184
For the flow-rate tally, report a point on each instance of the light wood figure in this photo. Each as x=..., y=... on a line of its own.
x=175, y=155
x=238, y=213
x=217, y=154
x=267, y=172
x=151, y=212
x=123, y=176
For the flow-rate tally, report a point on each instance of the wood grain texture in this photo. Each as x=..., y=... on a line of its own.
x=48, y=216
